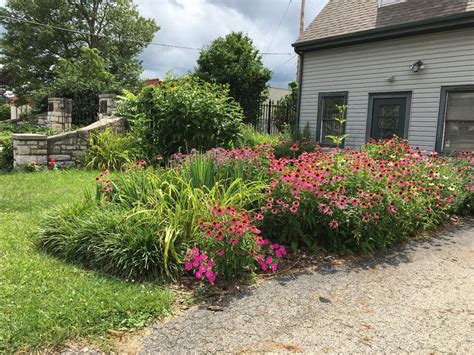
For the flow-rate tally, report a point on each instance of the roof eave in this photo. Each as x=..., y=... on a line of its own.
x=432, y=25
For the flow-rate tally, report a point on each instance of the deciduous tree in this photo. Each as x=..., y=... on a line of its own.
x=234, y=60
x=40, y=32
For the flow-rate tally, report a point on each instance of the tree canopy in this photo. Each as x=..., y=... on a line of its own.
x=234, y=60
x=39, y=33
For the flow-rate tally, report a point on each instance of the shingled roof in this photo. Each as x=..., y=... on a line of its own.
x=345, y=17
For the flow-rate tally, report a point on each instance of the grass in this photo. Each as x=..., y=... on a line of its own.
x=45, y=303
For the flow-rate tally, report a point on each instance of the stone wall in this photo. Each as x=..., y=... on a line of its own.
x=30, y=148
x=65, y=148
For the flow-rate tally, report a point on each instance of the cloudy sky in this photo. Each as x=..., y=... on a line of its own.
x=195, y=23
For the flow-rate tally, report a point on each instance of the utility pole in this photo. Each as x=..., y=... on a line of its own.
x=298, y=67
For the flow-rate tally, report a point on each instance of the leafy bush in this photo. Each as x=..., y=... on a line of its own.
x=6, y=154
x=6, y=128
x=111, y=150
x=4, y=112
x=181, y=114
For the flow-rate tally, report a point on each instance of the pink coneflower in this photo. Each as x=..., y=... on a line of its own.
x=333, y=224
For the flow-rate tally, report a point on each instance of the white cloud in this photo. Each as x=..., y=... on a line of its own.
x=195, y=23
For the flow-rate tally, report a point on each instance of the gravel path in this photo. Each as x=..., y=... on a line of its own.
x=419, y=298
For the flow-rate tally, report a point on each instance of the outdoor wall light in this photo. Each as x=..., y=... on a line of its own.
x=417, y=66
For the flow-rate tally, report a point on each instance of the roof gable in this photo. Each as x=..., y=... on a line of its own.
x=344, y=17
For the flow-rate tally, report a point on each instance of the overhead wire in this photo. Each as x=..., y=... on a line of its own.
x=279, y=25
x=128, y=39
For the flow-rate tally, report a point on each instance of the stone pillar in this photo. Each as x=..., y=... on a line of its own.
x=60, y=113
x=29, y=148
x=106, y=105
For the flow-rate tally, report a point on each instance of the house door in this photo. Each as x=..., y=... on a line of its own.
x=388, y=117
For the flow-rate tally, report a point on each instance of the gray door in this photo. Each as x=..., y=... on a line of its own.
x=388, y=117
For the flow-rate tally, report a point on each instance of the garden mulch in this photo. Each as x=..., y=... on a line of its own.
x=416, y=298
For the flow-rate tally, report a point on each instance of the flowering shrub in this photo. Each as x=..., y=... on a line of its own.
x=349, y=200
x=208, y=211
x=229, y=245
x=52, y=165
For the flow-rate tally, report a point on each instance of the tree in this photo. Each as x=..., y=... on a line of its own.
x=40, y=32
x=233, y=60
x=82, y=79
x=285, y=110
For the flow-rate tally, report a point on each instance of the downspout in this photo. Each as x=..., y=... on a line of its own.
x=300, y=88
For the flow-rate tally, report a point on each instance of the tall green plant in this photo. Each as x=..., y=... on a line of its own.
x=181, y=114
x=338, y=139
x=111, y=150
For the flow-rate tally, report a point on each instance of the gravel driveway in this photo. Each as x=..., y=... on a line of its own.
x=419, y=298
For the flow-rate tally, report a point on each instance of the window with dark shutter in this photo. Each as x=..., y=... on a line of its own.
x=328, y=114
x=459, y=121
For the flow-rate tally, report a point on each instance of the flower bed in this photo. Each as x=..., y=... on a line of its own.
x=227, y=213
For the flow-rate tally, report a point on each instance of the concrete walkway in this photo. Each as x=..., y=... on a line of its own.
x=419, y=298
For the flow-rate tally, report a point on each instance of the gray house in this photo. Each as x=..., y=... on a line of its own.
x=403, y=67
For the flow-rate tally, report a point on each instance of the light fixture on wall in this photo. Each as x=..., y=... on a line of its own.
x=417, y=66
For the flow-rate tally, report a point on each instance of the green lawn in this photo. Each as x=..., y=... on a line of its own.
x=44, y=302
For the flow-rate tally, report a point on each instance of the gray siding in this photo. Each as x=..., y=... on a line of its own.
x=363, y=69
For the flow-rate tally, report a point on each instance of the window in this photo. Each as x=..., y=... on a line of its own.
x=458, y=132
x=328, y=112
x=389, y=2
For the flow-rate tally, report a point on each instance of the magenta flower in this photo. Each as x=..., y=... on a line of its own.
x=211, y=276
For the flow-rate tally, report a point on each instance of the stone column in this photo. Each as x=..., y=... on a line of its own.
x=29, y=148
x=106, y=105
x=60, y=113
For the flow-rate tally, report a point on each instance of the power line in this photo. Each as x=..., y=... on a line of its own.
x=128, y=39
x=279, y=25
x=284, y=63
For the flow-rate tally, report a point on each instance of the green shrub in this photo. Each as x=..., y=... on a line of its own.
x=181, y=114
x=4, y=112
x=111, y=150
x=6, y=154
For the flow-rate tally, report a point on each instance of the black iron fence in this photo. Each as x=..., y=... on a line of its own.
x=273, y=117
x=85, y=109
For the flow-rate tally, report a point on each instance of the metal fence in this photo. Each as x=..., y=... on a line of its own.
x=272, y=117
x=85, y=109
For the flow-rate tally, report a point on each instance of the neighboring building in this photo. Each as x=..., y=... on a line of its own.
x=403, y=67
x=151, y=82
x=276, y=94
x=17, y=110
